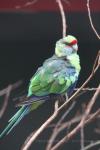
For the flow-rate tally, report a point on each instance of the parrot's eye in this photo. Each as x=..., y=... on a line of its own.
x=66, y=43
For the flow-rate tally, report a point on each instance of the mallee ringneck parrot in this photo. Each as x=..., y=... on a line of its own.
x=57, y=75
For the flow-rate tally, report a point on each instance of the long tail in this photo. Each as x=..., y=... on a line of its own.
x=24, y=110
x=30, y=104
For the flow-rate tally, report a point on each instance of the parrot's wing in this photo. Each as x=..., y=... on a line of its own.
x=53, y=77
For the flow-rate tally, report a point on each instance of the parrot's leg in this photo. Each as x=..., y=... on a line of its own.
x=66, y=97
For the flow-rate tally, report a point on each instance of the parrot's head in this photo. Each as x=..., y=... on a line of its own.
x=66, y=46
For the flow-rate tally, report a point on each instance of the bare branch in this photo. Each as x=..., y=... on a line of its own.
x=82, y=137
x=92, y=145
x=62, y=17
x=75, y=130
x=14, y=86
x=27, y=4
x=7, y=92
x=68, y=123
x=86, y=89
x=55, y=131
x=90, y=19
x=5, y=103
x=82, y=131
x=82, y=122
x=90, y=105
x=67, y=2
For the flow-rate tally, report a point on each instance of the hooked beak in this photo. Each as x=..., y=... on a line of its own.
x=75, y=47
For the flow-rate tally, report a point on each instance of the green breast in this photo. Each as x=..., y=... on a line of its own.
x=75, y=61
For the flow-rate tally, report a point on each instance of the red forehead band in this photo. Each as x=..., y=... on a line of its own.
x=73, y=42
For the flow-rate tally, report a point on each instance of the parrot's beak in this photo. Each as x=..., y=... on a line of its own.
x=75, y=47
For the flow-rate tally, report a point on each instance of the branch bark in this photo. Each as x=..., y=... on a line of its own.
x=90, y=19
x=82, y=122
x=64, y=25
x=7, y=92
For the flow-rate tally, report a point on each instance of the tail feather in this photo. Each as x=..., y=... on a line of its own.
x=18, y=120
x=29, y=105
x=15, y=120
x=16, y=114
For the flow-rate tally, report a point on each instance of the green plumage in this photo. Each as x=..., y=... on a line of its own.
x=57, y=75
x=54, y=76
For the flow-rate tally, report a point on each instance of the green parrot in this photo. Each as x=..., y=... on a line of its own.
x=58, y=75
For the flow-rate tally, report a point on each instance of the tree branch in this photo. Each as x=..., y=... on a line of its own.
x=27, y=4
x=90, y=19
x=82, y=122
x=7, y=92
x=64, y=25
x=55, y=131
x=92, y=145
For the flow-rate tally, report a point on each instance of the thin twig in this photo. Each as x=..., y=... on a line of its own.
x=74, y=121
x=92, y=145
x=90, y=105
x=55, y=130
x=62, y=17
x=67, y=2
x=5, y=103
x=83, y=121
x=68, y=123
x=86, y=89
x=82, y=132
x=7, y=92
x=70, y=135
x=27, y=4
x=97, y=61
x=90, y=19
x=14, y=86
x=82, y=137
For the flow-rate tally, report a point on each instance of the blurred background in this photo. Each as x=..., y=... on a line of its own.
x=27, y=37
